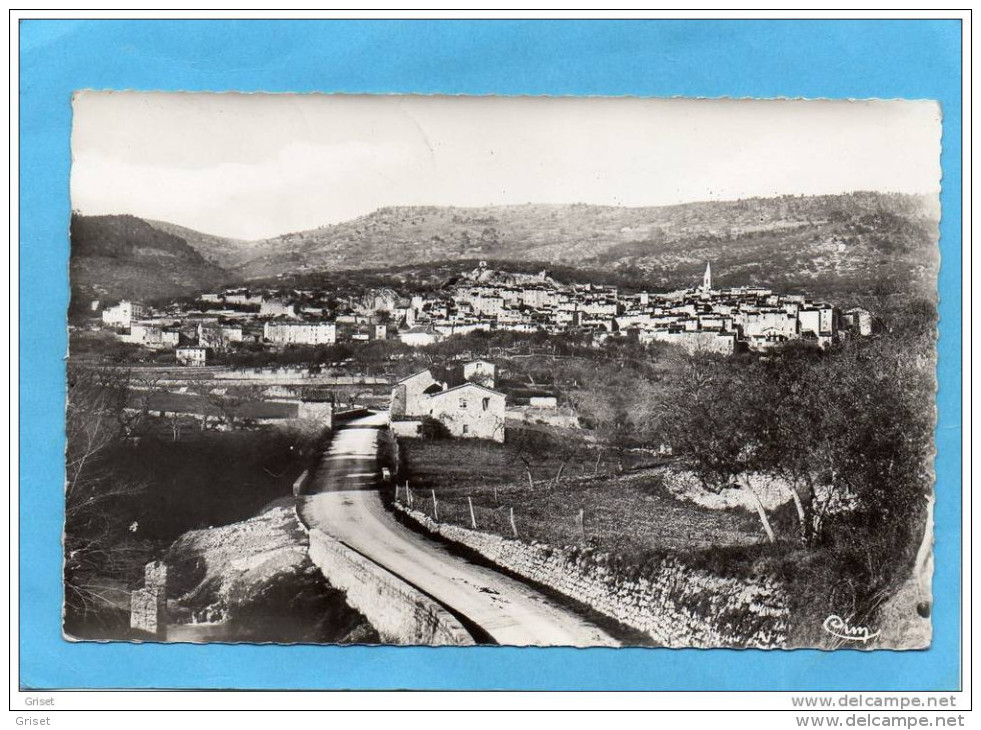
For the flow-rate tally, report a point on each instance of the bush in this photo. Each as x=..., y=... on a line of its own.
x=433, y=429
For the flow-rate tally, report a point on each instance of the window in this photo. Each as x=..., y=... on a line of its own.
x=486, y=403
x=463, y=403
x=466, y=429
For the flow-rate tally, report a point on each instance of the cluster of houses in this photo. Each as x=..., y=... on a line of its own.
x=233, y=318
x=703, y=318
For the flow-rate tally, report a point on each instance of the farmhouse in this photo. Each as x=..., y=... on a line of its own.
x=470, y=411
x=410, y=396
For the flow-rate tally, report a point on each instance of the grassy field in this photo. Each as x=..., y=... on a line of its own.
x=630, y=514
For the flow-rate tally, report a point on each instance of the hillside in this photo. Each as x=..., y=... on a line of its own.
x=845, y=241
x=218, y=250
x=119, y=256
x=823, y=244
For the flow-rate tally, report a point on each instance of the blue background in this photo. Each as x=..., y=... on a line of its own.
x=862, y=59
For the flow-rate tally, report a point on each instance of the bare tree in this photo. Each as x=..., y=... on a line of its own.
x=98, y=418
x=530, y=447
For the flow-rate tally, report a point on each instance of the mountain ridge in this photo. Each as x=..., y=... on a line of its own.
x=855, y=236
x=855, y=239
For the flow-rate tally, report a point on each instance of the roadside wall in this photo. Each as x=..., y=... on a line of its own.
x=400, y=613
x=322, y=413
x=675, y=605
x=406, y=429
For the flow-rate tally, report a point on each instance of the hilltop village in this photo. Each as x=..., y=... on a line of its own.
x=703, y=318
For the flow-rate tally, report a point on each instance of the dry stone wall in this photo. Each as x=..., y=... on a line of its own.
x=676, y=605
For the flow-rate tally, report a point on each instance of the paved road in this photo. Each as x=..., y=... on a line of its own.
x=344, y=503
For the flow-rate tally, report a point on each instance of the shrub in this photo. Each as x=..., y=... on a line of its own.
x=433, y=429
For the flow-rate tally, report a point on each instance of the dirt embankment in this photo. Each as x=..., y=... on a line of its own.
x=253, y=581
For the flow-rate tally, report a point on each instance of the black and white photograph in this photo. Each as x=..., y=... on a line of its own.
x=488, y=370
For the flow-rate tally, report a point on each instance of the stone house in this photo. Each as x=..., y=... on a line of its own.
x=481, y=372
x=470, y=411
x=410, y=396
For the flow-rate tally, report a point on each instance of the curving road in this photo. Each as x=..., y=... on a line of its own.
x=343, y=501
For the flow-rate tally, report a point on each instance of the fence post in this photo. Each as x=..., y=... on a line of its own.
x=473, y=520
x=435, y=508
x=514, y=527
x=396, y=492
x=408, y=493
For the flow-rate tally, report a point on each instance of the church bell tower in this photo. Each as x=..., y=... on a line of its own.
x=707, y=279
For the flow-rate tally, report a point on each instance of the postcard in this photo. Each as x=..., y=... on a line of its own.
x=515, y=371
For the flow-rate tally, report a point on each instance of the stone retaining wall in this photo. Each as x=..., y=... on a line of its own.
x=674, y=604
x=399, y=613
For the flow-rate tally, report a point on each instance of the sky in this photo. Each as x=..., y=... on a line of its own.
x=254, y=166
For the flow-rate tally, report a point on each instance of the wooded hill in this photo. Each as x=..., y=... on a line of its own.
x=122, y=256
x=822, y=244
x=855, y=240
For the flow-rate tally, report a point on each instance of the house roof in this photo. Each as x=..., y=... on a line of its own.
x=469, y=385
x=415, y=375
